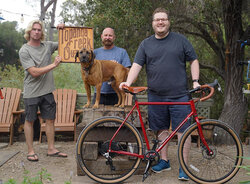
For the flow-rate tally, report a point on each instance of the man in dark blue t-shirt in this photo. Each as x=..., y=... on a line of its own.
x=165, y=55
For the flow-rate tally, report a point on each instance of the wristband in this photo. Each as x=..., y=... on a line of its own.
x=195, y=80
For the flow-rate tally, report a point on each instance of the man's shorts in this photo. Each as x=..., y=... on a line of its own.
x=160, y=116
x=46, y=104
x=107, y=99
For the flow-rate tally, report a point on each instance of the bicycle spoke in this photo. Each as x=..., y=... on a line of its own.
x=218, y=167
x=102, y=165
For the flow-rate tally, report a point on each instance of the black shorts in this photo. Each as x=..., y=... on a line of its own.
x=159, y=116
x=107, y=99
x=46, y=104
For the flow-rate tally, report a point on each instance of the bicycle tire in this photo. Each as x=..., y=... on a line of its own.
x=223, y=164
x=96, y=135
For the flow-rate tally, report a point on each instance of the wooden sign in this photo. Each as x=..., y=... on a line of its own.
x=72, y=39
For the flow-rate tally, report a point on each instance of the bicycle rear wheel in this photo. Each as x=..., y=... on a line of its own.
x=223, y=164
x=92, y=149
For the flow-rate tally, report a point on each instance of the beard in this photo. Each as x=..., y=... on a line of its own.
x=107, y=43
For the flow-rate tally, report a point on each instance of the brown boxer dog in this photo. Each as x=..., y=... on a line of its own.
x=95, y=72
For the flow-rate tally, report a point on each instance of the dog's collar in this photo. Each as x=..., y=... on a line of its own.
x=89, y=67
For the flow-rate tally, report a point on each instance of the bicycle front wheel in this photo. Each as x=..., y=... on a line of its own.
x=219, y=167
x=92, y=150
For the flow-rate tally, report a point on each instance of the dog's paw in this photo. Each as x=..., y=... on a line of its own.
x=121, y=106
x=86, y=106
x=95, y=107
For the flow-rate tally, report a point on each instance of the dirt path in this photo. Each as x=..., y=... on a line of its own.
x=64, y=169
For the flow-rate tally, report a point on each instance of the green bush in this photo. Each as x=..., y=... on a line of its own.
x=12, y=76
x=42, y=177
x=66, y=75
x=247, y=168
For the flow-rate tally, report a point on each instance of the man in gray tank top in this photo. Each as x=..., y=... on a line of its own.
x=35, y=57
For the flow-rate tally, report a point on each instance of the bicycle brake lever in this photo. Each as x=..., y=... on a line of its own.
x=219, y=88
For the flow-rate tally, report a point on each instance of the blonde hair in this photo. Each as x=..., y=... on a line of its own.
x=29, y=28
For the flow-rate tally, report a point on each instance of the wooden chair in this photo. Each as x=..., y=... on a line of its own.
x=129, y=99
x=66, y=115
x=9, y=110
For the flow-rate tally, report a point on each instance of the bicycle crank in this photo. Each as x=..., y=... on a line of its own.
x=150, y=157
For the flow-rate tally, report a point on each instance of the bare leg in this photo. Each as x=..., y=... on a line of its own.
x=162, y=134
x=28, y=131
x=50, y=133
x=187, y=147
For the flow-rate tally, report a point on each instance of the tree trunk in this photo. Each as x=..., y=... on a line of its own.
x=44, y=9
x=235, y=104
x=52, y=15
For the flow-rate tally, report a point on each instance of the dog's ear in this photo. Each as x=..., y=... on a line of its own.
x=77, y=55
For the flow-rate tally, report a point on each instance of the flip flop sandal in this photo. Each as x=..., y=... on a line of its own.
x=32, y=156
x=57, y=154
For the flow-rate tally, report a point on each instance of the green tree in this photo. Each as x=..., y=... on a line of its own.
x=220, y=24
x=10, y=42
x=212, y=26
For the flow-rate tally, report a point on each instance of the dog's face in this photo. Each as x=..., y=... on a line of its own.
x=85, y=55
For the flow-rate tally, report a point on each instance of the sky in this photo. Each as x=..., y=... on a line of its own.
x=12, y=10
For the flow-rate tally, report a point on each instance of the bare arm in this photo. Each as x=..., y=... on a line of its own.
x=195, y=72
x=36, y=72
x=132, y=75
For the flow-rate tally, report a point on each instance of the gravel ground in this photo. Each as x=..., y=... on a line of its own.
x=65, y=169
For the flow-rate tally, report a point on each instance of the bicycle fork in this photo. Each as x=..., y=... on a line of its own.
x=209, y=151
x=195, y=115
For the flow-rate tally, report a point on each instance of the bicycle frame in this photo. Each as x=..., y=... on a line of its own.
x=193, y=113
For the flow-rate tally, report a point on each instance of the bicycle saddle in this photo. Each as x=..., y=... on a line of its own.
x=134, y=90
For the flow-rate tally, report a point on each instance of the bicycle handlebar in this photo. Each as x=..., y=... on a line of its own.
x=135, y=90
x=206, y=86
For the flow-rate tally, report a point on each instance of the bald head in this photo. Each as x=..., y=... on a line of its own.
x=108, y=38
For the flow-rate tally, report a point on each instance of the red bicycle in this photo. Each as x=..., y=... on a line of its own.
x=110, y=149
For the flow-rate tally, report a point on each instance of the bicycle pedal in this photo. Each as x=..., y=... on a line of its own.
x=145, y=175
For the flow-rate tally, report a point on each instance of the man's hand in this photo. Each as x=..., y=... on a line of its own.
x=57, y=60
x=60, y=26
x=123, y=84
x=196, y=85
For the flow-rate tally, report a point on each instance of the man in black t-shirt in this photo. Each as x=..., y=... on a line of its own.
x=165, y=55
